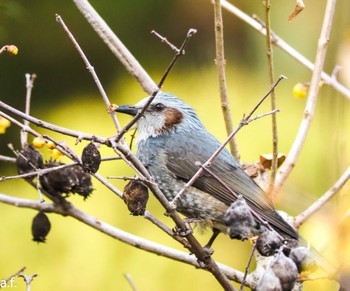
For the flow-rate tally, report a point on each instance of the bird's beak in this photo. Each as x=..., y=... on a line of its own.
x=127, y=109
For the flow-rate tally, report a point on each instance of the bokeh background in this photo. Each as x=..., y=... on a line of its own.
x=77, y=257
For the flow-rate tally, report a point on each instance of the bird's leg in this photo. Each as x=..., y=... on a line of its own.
x=207, y=247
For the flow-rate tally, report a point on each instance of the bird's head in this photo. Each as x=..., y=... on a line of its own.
x=166, y=114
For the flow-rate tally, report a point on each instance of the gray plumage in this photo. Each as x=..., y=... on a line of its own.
x=171, y=143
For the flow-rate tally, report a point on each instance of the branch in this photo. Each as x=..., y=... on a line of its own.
x=91, y=70
x=269, y=54
x=77, y=134
x=29, y=86
x=7, y=159
x=220, y=66
x=120, y=235
x=20, y=271
x=300, y=219
x=116, y=46
x=309, y=111
x=286, y=47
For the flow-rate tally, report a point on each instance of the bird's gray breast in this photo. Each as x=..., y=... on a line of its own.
x=153, y=155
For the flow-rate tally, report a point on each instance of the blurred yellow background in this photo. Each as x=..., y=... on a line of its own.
x=77, y=257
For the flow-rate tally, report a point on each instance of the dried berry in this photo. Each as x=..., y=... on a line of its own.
x=135, y=196
x=84, y=185
x=66, y=180
x=40, y=227
x=240, y=221
x=281, y=275
x=29, y=160
x=91, y=158
x=268, y=243
x=304, y=259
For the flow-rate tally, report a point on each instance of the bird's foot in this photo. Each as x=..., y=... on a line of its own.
x=183, y=231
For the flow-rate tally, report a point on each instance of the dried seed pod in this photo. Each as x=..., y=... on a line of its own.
x=83, y=186
x=135, y=196
x=91, y=158
x=281, y=275
x=304, y=259
x=29, y=160
x=286, y=271
x=240, y=221
x=40, y=227
x=66, y=180
x=56, y=182
x=268, y=243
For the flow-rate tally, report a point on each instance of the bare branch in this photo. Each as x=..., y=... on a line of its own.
x=120, y=235
x=300, y=219
x=220, y=67
x=29, y=86
x=309, y=111
x=286, y=47
x=299, y=6
x=131, y=282
x=91, y=70
x=7, y=159
x=47, y=125
x=14, y=275
x=271, y=75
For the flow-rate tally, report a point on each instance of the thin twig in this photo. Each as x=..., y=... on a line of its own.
x=37, y=172
x=147, y=215
x=50, y=126
x=12, y=276
x=316, y=206
x=7, y=159
x=91, y=69
x=309, y=111
x=270, y=66
x=29, y=86
x=130, y=281
x=285, y=47
x=220, y=66
x=28, y=279
x=165, y=40
x=248, y=266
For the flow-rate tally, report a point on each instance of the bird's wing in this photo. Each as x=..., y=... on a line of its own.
x=226, y=179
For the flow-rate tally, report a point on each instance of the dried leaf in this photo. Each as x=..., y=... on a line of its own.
x=266, y=160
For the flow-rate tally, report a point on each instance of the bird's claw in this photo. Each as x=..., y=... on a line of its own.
x=183, y=231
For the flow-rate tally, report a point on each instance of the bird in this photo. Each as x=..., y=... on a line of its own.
x=172, y=143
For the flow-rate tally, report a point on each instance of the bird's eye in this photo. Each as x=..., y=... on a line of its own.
x=159, y=106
